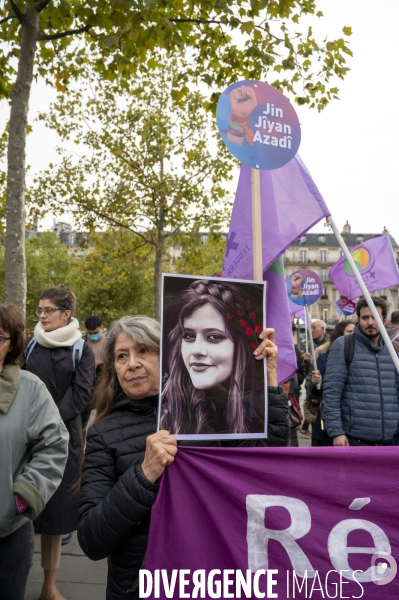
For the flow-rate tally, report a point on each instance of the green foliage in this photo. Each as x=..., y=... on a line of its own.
x=150, y=165
x=201, y=257
x=225, y=41
x=109, y=276
x=112, y=278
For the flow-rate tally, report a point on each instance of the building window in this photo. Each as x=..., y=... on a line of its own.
x=383, y=292
x=322, y=239
x=71, y=239
x=323, y=256
x=325, y=315
x=360, y=239
x=323, y=275
x=302, y=240
x=324, y=291
x=303, y=256
x=341, y=253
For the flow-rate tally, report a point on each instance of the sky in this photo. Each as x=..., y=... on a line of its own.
x=350, y=148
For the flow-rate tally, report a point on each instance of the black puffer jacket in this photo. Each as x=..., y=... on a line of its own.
x=116, y=497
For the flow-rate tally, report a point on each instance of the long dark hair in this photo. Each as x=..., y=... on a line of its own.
x=183, y=408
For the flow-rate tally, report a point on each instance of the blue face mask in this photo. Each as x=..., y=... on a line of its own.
x=94, y=337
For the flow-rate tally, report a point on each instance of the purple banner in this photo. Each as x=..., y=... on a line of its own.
x=376, y=263
x=296, y=523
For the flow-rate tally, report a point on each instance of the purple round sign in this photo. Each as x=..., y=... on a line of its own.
x=258, y=124
x=304, y=287
x=345, y=307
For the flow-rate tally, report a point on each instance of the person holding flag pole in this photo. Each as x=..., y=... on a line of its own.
x=361, y=382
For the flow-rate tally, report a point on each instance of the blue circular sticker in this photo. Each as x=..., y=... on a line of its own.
x=345, y=307
x=304, y=287
x=258, y=124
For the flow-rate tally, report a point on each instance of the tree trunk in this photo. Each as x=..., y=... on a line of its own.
x=15, y=279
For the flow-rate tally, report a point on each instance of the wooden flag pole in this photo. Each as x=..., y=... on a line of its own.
x=366, y=294
x=256, y=225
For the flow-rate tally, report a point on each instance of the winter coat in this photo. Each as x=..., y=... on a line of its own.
x=362, y=401
x=33, y=447
x=71, y=391
x=116, y=497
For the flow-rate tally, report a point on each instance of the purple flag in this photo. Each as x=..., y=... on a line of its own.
x=319, y=517
x=291, y=205
x=376, y=263
x=278, y=316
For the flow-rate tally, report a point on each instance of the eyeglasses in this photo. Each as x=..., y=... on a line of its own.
x=3, y=339
x=47, y=311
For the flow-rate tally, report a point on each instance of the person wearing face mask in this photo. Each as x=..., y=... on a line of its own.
x=67, y=370
x=95, y=338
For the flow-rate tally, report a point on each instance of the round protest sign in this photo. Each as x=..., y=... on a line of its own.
x=258, y=124
x=345, y=307
x=304, y=287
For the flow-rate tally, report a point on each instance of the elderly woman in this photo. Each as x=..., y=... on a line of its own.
x=33, y=454
x=125, y=458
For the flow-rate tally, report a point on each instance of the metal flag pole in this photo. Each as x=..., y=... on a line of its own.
x=318, y=386
x=366, y=294
x=306, y=333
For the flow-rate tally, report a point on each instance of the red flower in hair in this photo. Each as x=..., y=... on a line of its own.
x=258, y=329
x=243, y=323
x=253, y=345
x=248, y=303
x=229, y=316
x=239, y=312
x=252, y=316
x=249, y=331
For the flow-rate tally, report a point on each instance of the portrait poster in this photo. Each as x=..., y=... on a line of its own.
x=212, y=387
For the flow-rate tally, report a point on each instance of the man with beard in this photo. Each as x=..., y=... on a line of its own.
x=361, y=385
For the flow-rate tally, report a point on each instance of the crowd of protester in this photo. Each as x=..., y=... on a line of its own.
x=79, y=446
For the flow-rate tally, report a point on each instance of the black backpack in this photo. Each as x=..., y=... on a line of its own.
x=349, y=348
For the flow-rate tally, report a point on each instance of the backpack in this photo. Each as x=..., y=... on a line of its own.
x=77, y=350
x=349, y=348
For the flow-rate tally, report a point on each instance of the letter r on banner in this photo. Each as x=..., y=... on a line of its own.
x=258, y=535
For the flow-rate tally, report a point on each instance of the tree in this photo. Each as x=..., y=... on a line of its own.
x=112, y=278
x=151, y=165
x=122, y=32
x=202, y=257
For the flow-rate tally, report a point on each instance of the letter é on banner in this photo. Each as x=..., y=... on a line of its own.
x=258, y=535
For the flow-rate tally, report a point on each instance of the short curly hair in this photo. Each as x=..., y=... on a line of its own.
x=12, y=322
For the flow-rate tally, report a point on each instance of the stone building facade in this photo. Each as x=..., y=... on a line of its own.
x=318, y=252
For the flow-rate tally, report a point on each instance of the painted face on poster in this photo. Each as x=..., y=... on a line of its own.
x=258, y=124
x=211, y=384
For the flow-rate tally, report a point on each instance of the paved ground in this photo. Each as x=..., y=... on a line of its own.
x=78, y=577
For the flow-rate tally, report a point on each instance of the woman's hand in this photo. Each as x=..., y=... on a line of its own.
x=316, y=377
x=161, y=448
x=268, y=349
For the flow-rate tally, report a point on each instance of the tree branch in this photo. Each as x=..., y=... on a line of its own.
x=57, y=36
x=17, y=12
x=8, y=19
x=198, y=21
x=41, y=4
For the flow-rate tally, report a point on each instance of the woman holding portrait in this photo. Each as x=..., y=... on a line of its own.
x=125, y=457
